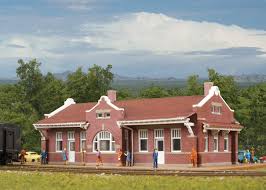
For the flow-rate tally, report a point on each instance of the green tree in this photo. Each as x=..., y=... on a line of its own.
x=154, y=92
x=15, y=110
x=193, y=86
x=31, y=80
x=124, y=94
x=251, y=112
x=52, y=94
x=77, y=85
x=99, y=81
x=91, y=86
x=227, y=86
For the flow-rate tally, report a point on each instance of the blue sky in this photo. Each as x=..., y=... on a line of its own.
x=139, y=38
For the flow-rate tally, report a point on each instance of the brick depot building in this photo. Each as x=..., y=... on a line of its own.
x=173, y=125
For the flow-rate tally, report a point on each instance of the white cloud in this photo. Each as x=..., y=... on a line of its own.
x=19, y=46
x=160, y=34
x=76, y=4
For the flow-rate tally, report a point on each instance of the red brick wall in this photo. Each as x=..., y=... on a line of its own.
x=226, y=115
x=187, y=142
x=170, y=157
x=110, y=125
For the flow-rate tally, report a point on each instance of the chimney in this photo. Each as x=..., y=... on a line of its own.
x=207, y=87
x=111, y=95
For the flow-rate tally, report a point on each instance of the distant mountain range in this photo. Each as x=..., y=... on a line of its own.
x=123, y=81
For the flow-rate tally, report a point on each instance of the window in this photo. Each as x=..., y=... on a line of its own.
x=82, y=141
x=59, y=141
x=206, y=140
x=104, y=141
x=216, y=108
x=103, y=114
x=143, y=140
x=226, y=142
x=176, y=140
x=99, y=115
x=215, y=143
x=71, y=135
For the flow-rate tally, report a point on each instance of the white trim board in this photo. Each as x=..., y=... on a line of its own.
x=67, y=103
x=153, y=121
x=82, y=125
x=108, y=101
x=213, y=91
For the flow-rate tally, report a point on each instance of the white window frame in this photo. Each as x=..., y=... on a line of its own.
x=215, y=109
x=82, y=138
x=104, y=114
x=72, y=137
x=206, y=143
x=102, y=135
x=58, y=140
x=175, y=135
x=143, y=137
x=227, y=143
x=216, y=149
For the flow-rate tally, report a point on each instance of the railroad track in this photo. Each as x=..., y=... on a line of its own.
x=124, y=171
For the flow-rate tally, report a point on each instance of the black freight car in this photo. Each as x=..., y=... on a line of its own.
x=10, y=143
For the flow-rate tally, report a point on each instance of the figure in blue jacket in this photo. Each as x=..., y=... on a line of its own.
x=155, y=158
x=248, y=155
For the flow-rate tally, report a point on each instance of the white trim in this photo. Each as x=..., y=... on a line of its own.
x=58, y=140
x=42, y=135
x=216, y=148
x=108, y=101
x=132, y=144
x=83, y=125
x=141, y=138
x=213, y=91
x=222, y=129
x=110, y=138
x=153, y=121
x=82, y=139
x=67, y=103
x=227, y=144
x=189, y=125
x=172, y=138
x=206, y=142
x=206, y=127
x=69, y=138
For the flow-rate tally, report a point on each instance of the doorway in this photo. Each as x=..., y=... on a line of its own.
x=71, y=146
x=159, y=144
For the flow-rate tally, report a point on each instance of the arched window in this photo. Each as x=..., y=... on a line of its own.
x=104, y=141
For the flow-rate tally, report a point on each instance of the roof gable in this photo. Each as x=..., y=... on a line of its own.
x=213, y=91
x=73, y=113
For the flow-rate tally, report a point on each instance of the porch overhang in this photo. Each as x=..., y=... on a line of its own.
x=82, y=125
x=221, y=127
x=163, y=121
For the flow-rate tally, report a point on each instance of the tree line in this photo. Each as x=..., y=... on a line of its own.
x=25, y=102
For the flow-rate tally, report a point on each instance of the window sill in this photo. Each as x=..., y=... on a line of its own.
x=176, y=151
x=216, y=113
x=103, y=118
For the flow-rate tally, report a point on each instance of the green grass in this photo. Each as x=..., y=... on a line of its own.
x=65, y=181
